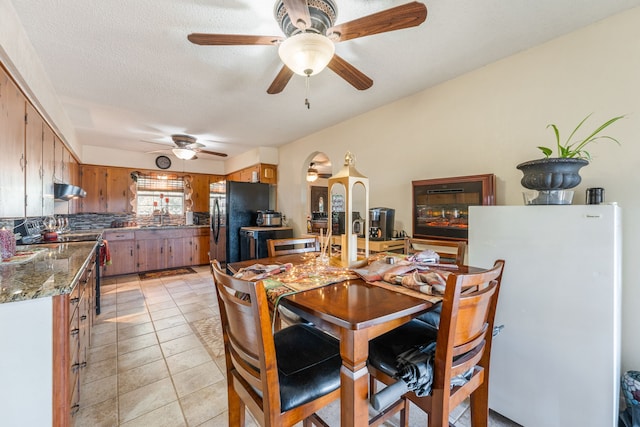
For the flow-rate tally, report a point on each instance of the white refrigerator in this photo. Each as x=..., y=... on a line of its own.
x=557, y=360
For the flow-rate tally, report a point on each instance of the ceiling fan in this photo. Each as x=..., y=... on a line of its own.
x=310, y=33
x=187, y=147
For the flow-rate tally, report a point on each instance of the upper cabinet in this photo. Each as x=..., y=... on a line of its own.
x=48, y=145
x=34, y=170
x=62, y=162
x=118, y=197
x=200, y=195
x=12, y=161
x=107, y=189
x=263, y=172
x=268, y=173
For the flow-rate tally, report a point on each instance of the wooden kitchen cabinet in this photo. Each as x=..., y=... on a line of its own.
x=158, y=249
x=62, y=161
x=266, y=174
x=122, y=247
x=199, y=247
x=73, y=316
x=94, y=182
x=74, y=177
x=150, y=254
x=34, y=200
x=48, y=169
x=12, y=140
x=107, y=189
x=118, y=180
x=178, y=252
x=200, y=195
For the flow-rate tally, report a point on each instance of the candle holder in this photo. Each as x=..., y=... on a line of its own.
x=349, y=178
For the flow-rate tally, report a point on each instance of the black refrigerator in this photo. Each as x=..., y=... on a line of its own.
x=234, y=205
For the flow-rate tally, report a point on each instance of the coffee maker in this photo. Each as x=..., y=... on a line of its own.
x=382, y=222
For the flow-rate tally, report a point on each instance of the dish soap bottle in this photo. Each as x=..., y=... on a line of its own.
x=308, y=224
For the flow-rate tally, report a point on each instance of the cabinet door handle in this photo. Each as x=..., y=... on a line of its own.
x=75, y=332
x=75, y=409
x=161, y=250
x=131, y=252
x=75, y=367
x=83, y=317
x=74, y=300
x=23, y=162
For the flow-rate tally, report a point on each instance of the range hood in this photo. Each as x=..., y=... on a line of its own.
x=67, y=192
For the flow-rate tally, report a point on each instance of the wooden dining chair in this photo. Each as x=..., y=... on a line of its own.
x=449, y=250
x=282, y=378
x=463, y=344
x=295, y=245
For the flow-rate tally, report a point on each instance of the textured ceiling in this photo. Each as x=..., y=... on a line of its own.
x=125, y=72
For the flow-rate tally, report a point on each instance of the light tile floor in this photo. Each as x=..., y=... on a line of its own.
x=150, y=366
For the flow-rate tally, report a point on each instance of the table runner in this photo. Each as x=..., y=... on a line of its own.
x=287, y=279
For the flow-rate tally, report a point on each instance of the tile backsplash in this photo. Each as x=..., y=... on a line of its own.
x=91, y=221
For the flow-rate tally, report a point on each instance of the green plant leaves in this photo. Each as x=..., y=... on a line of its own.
x=576, y=149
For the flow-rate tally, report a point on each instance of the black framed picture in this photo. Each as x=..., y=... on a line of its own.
x=319, y=199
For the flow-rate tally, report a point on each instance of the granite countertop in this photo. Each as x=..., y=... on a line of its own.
x=52, y=269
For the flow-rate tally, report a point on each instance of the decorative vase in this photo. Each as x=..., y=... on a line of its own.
x=551, y=173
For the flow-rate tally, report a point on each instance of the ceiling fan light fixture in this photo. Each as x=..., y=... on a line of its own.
x=306, y=54
x=312, y=173
x=184, y=153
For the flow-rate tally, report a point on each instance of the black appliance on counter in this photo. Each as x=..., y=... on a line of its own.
x=234, y=205
x=253, y=240
x=382, y=223
x=338, y=220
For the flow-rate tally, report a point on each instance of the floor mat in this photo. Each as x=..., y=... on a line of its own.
x=166, y=273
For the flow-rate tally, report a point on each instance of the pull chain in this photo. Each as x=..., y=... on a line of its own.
x=306, y=100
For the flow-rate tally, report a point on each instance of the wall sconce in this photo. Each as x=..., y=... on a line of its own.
x=312, y=173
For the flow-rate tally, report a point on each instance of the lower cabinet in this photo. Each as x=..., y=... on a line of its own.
x=73, y=316
x=122, y=248
x=156, y=249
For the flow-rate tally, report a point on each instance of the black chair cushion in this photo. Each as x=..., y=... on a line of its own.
x=432, y=317
x=384, y=349
x=308, y=364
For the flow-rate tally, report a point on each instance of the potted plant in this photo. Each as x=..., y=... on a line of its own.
x=561, y=172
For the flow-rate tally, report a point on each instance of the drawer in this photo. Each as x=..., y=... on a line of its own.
x=120, y=235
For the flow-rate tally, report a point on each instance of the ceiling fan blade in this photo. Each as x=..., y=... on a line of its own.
x=351, y=74
x=280, y=81
x=399, y=17
x=213, y=153
x=298, y=12
x=232, y=39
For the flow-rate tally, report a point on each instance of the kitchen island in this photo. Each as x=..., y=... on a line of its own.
x=46, y=313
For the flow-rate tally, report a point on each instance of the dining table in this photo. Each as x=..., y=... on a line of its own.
x=355, y=311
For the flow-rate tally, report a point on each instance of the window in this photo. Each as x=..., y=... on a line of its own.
x=160, y=193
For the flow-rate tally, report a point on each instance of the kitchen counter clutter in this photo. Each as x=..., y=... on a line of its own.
x=51, y=269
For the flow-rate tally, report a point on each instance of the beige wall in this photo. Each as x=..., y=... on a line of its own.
x=490, y=120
